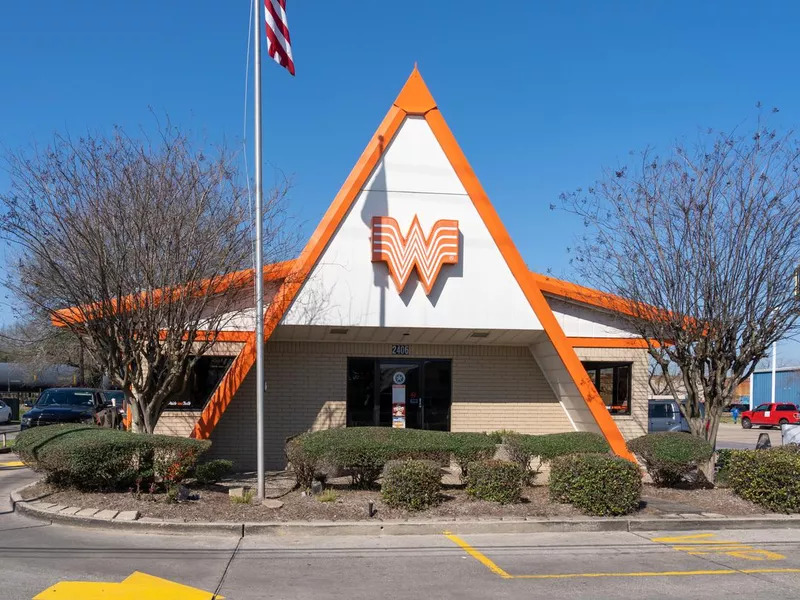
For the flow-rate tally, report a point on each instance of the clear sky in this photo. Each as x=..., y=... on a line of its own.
x=540, y=95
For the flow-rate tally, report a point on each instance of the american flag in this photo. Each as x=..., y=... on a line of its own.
x=279, y=46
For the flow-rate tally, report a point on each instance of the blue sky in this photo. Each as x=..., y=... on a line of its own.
x=540, y=95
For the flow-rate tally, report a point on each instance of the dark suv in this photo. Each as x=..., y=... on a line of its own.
x=65, y=405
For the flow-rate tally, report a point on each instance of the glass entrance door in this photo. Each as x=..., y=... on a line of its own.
x=408, y=393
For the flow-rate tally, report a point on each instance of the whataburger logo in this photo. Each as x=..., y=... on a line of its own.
x=403, y=253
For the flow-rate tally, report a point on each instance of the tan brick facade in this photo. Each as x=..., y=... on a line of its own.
x=492, y=388
x=178, y=423
x=636, y=424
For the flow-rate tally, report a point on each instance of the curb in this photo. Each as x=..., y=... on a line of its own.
x=378, y=528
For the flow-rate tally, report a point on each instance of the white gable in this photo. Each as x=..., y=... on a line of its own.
x=578, y=320
x=413, y=178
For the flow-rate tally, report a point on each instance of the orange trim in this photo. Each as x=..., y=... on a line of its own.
x=579, y=293
x=415, y=99
x=291, y=285
x=590, y=342
x=76, y=314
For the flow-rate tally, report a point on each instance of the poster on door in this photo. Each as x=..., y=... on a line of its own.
x=399, y=406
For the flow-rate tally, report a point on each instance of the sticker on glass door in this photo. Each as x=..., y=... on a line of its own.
x=399, y=400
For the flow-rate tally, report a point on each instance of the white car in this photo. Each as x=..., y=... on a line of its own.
x=5, y=413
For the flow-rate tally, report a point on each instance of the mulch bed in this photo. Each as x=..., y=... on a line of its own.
x=214, y=504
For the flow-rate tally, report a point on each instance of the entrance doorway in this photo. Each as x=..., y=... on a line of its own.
x=377, y=387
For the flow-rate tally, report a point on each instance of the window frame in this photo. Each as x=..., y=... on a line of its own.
x=597, y=367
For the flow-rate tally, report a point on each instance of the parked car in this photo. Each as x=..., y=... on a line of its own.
x=665, y=415
x=742, y=406
x=65, y=405
x=5, y=413
x=771, y=415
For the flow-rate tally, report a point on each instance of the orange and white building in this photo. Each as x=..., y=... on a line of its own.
x=410, y=306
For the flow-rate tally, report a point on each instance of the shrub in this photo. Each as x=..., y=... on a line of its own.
x=327, y=496
x=94, y=458
x=671, y=456
x=499, y=436
x=412, y=484
x=213, y=470
x=303, y=461
x=769, y=478
x=523, y=448
x=245, y=498
x=496, y=481
x=597, y=484
x=468, y=448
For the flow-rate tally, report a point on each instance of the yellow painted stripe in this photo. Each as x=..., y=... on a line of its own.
x=12, y=463
x=655, y=573
x=479, y=556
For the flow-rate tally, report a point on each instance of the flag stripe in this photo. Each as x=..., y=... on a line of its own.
x=279, y=46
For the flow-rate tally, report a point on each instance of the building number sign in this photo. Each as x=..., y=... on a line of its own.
x=402, y=349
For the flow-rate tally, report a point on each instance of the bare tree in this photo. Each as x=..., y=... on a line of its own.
x=138, y=247
x=703, y=245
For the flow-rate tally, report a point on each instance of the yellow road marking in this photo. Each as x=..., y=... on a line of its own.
x=136, y=586
x=700, y=545
x=12, y=463
x=477, y=555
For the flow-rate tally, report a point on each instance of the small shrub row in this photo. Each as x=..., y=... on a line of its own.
x=671, y=457
x=769, y=478
x=364, y=451
x=524, y=448
x=95, y=458
x=412, y=484
x=596, y=484
x=496, y=481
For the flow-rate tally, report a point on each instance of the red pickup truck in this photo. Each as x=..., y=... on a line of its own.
x=771, y=415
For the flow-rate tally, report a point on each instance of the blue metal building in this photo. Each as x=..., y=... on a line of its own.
x=787, y=386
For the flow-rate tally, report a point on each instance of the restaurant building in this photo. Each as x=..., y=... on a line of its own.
x=410, y=306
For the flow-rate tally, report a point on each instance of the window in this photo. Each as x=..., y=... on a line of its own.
x=661, y=410
x=761, y=408
x=203, y=380
x=787, y=407
x=613, y=383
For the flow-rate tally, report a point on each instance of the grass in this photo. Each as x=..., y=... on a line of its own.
x=245, y=498
x=327, y=496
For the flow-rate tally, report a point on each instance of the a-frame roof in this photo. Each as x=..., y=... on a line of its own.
x=414, y=100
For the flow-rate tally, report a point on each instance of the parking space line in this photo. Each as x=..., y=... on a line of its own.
x=477, y=555
x=702, y=544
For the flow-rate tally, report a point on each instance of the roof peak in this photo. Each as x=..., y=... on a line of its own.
x=415, y=98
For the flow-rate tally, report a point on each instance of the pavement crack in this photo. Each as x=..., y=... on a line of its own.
x=215, y=595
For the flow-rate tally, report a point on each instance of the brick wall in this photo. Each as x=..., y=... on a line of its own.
x=178, y=423
x=636, y=424
x=493, y=388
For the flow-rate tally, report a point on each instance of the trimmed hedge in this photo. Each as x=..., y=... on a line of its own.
x=95, y=458
x=213, y=470
x=364, y=451
x=671, y=456
x=523, y=448
x=597, y=484
x=769, y=478
x=412, y=484
x=496, y=481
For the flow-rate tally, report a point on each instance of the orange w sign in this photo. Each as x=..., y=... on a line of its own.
x=402, y=254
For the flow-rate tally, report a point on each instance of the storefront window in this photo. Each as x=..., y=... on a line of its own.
x=613, y=383
x=203, y=380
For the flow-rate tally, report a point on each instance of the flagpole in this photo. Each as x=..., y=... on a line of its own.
x=259, y=266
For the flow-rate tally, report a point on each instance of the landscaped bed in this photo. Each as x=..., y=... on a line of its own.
x=352, y=505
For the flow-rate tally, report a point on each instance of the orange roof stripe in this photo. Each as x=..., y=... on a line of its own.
x=76, y=314
x=414, y=99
